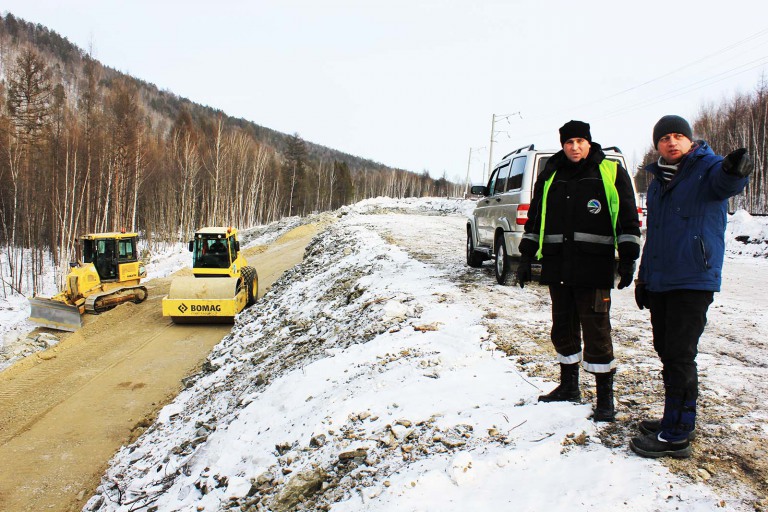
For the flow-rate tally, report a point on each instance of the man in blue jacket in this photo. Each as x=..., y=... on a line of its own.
x=681, y=268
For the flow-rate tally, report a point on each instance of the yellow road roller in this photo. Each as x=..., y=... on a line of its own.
x=222, y=284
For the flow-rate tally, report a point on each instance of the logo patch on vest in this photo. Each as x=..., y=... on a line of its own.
x=594, y=206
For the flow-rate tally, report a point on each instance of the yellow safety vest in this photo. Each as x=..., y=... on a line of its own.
x=608, y=171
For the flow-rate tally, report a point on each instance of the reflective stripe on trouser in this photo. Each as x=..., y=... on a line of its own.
x=573, y=313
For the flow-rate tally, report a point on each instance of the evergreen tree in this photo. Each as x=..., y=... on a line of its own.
x=29, y=96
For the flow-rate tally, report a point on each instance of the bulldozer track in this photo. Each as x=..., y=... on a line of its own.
x=100, y=303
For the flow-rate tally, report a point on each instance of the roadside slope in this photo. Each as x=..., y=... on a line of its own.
x=384, y=374
x=65, y=411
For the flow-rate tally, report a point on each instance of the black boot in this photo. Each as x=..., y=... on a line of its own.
x=604, y=410
x=568, y=390
x=672, y=437
x=652, y=427
x=655, y=446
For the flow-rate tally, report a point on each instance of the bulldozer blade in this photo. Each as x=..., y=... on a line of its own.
x=55, y=314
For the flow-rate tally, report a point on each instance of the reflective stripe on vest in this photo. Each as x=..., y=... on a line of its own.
x=608, y=172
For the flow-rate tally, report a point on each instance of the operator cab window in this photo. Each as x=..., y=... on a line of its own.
x=211, y=253
x=232, y=247
x=89, y=251
x=102, y=254
x=126, y=249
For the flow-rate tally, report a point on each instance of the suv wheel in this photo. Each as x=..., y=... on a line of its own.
x=474, y=259
x=502, y=262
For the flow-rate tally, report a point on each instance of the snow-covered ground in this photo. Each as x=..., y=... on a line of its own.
x=383, y=374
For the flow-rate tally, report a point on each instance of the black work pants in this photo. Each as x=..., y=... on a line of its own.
x=678, y=318
x=577, y=311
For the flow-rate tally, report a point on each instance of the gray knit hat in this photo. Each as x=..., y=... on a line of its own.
x=671, y=124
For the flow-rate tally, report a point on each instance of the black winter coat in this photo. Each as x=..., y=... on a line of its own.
x=577, y=209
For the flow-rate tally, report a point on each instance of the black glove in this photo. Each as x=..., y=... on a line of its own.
x=641, y=295
x=626, y=273
x=738, y=163
x=524, y=270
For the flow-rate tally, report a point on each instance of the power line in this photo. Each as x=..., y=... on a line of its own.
x=675, y=92
x=690, y=87
x=679, y=69
x=686, y=88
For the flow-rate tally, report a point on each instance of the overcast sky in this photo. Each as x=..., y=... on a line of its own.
x=414, y=83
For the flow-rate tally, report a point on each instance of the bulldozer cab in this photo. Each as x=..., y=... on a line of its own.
x=108, y=252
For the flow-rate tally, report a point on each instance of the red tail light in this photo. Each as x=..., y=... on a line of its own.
x=522, y=214
x=640, y=215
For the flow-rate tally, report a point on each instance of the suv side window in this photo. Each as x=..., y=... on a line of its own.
x=542, y=163
x=492, y=182
x=515, y=180
x=501, y=179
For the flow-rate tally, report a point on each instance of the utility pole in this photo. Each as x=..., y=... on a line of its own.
x=493, y=134
x=469, y=160
x=490, y=148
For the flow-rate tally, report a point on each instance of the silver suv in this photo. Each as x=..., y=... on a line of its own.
x=496, y=226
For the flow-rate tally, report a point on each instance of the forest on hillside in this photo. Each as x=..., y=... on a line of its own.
x=741, y=122
x=84, y=148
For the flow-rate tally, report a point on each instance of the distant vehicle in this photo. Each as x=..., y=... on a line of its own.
x=496, y=225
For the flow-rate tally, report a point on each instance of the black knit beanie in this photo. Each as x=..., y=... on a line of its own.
x=671, y=124
x=574, y=129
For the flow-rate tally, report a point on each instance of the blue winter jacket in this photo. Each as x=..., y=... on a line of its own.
x=685, y=237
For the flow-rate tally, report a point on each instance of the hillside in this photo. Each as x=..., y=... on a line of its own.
x=86, y=148
x=67, y=59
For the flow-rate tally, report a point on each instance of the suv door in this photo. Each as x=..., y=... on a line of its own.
x=486, y=210
x=514, y=190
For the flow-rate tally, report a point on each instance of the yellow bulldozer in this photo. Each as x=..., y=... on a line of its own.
x=222, y=284
x=108, y=274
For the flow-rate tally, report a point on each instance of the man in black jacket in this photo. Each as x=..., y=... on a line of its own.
x=583, y=209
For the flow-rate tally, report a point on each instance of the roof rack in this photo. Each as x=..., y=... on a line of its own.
x=519, y=150
x=613, y=148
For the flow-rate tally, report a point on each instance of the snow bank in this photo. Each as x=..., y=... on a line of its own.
x=364, y=380
x=747, y=235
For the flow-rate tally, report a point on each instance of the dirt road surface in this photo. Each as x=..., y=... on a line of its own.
x=64, y=412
